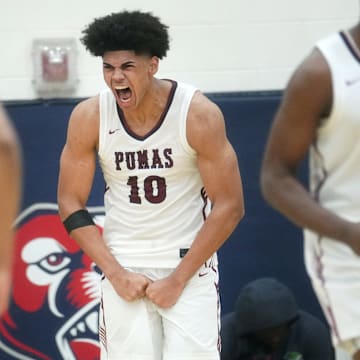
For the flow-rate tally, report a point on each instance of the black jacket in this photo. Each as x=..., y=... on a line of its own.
x=265, y=304
x=308, y=339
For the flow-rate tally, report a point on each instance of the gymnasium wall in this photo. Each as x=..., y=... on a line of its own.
x=220, y=46
x=55, y=297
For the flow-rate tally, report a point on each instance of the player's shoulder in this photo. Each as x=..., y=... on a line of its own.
x=200, y=103
x=203, y=108
x=311, y=76
x=205, y=122
x=312, y=69
x=84, y=118
x=86, y=110
x=87, y=106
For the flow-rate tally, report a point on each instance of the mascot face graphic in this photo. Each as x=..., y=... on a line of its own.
x=53, y=312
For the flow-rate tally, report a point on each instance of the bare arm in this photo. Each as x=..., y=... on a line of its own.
x=307, y=99
x=10, y=195
x=77, y=169
x=218, y=166
x=219, y=169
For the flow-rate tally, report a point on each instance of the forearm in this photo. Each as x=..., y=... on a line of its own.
x=92, y=243
x=7, y=219
x=83, y=230
x=216, y=230
x=10, y=185
x=287, y=195
x=6, y=249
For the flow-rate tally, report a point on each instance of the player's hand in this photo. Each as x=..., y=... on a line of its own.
x=165, y=292
x=130, y=286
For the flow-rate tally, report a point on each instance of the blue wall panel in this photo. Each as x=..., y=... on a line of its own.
x=264, y=244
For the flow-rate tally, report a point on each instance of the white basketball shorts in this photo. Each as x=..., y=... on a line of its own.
x=139, y=330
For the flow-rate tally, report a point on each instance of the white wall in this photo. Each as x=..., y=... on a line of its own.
x=219, y=45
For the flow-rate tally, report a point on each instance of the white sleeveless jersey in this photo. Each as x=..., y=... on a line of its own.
x=335, y=156
x=334, y=166
x=155, y=200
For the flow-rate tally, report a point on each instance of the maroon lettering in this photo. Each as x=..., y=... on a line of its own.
x=119, y=158
x=155, y=189
x=130, y=160
x=156, y=161
x=134, y=190
x=143, y=159
x=167, y=154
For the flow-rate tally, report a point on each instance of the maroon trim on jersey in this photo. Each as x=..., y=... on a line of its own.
x=320, y=254
x=160, y=121
x=205, y=199
x=324, y=173
x=320, y=274
x=216, y=284
x=102, y=327
x=350, y=45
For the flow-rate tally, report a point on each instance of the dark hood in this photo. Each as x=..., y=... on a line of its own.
x=262, y=304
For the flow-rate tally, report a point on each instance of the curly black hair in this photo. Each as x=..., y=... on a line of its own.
x=137, y=31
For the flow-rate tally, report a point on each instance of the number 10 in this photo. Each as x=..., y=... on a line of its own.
x=154, y=189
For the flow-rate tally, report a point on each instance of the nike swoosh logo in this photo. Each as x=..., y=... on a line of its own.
x=203, y=274
x=113, y=131
x=352, y=81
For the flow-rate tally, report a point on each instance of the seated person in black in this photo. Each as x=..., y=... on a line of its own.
x=268, y=325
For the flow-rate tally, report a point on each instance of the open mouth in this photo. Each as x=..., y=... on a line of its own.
x=123, y=93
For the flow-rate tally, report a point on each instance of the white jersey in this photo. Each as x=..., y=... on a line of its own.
x=155, y=200
x=335, y=184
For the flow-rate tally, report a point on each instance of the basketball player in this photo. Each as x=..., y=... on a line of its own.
x=173, y=196
x=320, y=111
x=10, y=194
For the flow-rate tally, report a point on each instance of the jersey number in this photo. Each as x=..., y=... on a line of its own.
x=154, y=189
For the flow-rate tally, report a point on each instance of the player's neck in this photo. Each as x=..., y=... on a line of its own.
x=149, y=111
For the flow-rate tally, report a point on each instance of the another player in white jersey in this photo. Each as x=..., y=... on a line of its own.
x=173, y=196
x=320, y=112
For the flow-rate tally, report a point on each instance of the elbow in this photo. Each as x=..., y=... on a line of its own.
x=272, y=185
x=61, y=200
x=10, y=150
x=67, y=205
x=236, y=206
x=237, y=210
x=230, y=212
x=267, y=187
x=240, y=212
x=62, y=207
